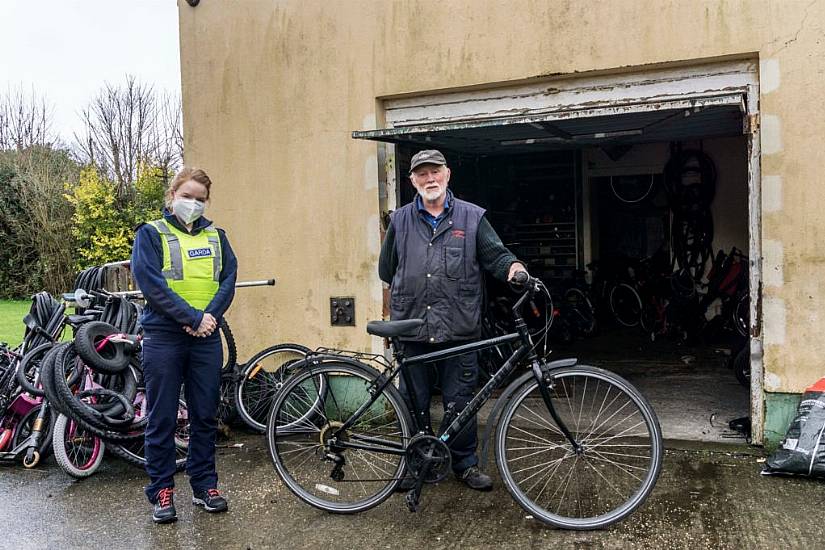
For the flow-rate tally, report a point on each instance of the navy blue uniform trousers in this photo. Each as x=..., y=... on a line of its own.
x=169, y=360
x=458, y=377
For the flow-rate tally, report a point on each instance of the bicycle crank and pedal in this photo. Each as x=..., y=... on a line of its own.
x=428, y=461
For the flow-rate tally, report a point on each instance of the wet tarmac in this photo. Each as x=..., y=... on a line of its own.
x=704, y=499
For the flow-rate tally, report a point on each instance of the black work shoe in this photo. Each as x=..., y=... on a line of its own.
x=164, y=511
x=475, y=479
x=211, y=500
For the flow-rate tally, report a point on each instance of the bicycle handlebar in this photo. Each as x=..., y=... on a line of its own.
x=523, y=282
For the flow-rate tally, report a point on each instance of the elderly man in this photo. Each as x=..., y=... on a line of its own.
x=432, y=258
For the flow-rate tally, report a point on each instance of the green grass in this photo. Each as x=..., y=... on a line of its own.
x=11, y=320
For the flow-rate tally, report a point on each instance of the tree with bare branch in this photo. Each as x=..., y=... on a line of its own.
x=128, y=125
x=25, y=120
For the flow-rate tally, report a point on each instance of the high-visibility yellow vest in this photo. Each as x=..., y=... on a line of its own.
x=191, y=263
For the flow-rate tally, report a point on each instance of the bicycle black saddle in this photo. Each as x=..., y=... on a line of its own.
x=391, y=329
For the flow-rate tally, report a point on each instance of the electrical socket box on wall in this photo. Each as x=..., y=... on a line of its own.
x=342, y=311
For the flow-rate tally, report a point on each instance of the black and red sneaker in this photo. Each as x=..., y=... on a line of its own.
x=211, y=500
x=164, y=511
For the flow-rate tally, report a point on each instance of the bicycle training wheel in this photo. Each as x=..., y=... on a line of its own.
x=616, y=467
x=262, y=378
x=320, y=467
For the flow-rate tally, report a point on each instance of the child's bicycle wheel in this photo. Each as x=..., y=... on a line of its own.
x=78, y=452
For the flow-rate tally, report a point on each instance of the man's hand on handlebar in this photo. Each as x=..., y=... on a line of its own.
x=516, y=267
x=520, y=280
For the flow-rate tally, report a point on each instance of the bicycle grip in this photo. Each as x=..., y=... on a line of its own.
x=520, y=278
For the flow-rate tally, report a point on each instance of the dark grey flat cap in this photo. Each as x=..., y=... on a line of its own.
x=427, y=156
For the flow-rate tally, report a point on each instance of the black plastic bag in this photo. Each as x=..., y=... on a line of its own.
x=802, y=452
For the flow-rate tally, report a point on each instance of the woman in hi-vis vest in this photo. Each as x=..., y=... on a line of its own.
x=186, y=270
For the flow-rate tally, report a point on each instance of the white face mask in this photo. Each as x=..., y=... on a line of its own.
x=187, y=210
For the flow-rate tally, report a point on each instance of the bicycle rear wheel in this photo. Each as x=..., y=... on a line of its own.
x=302, y=443
x=262, y=378
x=609, y=478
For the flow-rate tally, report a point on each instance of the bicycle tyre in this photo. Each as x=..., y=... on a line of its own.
x=632, y=199
x=622, y=297
x=257, y=385
x=111, y=359
x=741, y=315
x=594, y=511
x=227, y=407
x=387, y=474
x=230, y=357
x=49, y=370
x=23, y=366
x=82, y=412
x=67, y=455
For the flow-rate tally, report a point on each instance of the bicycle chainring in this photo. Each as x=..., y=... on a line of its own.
x=426, y=449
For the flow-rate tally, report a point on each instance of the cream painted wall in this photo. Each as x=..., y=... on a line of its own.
x=272, y=89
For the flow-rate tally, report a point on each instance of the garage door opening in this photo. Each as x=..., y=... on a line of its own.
x=639, y=218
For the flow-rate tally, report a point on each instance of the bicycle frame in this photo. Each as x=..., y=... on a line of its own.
x=457, y=424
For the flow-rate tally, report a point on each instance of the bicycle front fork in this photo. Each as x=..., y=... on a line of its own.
x=546, y=385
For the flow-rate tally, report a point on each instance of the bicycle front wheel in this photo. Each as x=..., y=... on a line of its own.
x=316, y=460
x=613, y=472
x=78, y=452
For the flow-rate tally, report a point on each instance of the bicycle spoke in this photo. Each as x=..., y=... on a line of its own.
x=544, y=422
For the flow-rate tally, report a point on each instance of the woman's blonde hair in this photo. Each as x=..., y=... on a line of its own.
x=186, y=174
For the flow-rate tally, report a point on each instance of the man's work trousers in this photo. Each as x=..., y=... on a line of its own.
x=457, y=377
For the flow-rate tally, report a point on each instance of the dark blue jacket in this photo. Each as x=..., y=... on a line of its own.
x=438, y=277
x=165, y=310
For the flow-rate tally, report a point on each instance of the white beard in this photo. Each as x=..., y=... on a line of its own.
x=430, y=195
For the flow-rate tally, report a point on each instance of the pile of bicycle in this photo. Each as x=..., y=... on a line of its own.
x=82, y=398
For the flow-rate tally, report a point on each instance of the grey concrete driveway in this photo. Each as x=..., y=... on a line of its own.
x=704, y=499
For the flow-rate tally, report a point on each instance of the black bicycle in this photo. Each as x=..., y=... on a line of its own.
x=578, y=447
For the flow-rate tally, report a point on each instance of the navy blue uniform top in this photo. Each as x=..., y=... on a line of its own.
x=165, y=310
